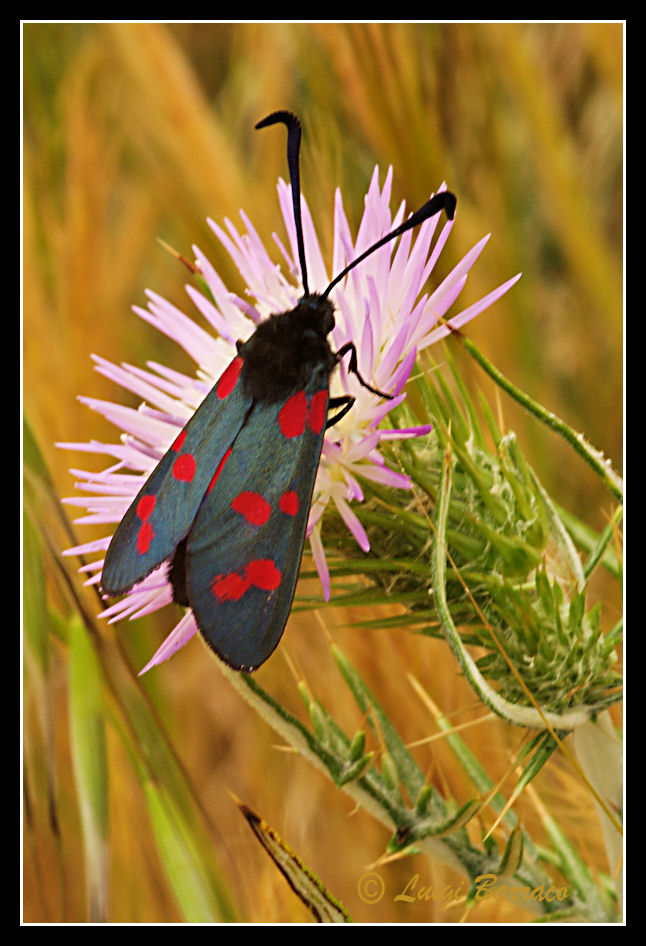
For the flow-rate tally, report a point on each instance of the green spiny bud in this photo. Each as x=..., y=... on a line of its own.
x=389, y=770
x=355, y=770
x=319, y=723
x=357, y=745
x=423, y=799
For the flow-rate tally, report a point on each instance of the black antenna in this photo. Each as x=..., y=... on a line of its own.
x=445, y=200
x=293, y=151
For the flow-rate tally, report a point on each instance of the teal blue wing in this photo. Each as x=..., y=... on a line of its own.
x=165, y=508
x=244, y=549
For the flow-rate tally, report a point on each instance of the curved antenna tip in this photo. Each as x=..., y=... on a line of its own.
x=450, y=204
x=293, y=156
x=444, y=200
x=282, y=115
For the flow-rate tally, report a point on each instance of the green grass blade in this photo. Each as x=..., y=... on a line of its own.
x=89, y=755
x=305, y=884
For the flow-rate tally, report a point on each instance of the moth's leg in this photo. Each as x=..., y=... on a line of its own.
x=354, y=368
x=345, y=402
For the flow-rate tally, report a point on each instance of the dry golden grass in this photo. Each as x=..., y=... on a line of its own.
x=138, y=131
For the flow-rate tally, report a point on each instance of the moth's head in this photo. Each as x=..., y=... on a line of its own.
x=317, y=313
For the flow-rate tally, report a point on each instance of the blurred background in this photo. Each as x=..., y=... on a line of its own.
x=135, y=131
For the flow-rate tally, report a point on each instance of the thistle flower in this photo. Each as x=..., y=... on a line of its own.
x=381, y=305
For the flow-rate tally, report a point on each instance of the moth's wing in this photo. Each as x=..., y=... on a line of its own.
x=163, y=511
x=244, y=550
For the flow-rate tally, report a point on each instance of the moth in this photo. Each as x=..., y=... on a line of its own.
x=228, y=504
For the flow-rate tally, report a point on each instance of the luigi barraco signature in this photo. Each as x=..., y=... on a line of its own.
x=371, y=889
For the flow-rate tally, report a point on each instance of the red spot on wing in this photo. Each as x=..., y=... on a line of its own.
x=263, y=573
x=219, y=469
x=144, y=537
x=179, y=441
x=260, y=573
x=229, y=587
x=146, y=532
x=184, y=467
x=292, y=415
x=145, y=506
x=289, y=503
x=317, y=411
x=253, y=507
x=229, y=378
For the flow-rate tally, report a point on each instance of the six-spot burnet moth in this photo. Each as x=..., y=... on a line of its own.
x=228, y=504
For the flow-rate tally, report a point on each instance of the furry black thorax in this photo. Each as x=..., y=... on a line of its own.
x=286, y=349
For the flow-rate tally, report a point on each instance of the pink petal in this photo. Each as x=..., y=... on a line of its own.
x=180, y=635
x=320, y=561
x=457, y=321
x=352, y=523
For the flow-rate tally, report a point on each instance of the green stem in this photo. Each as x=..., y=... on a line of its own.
x=597, y=553
x=589, y=453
